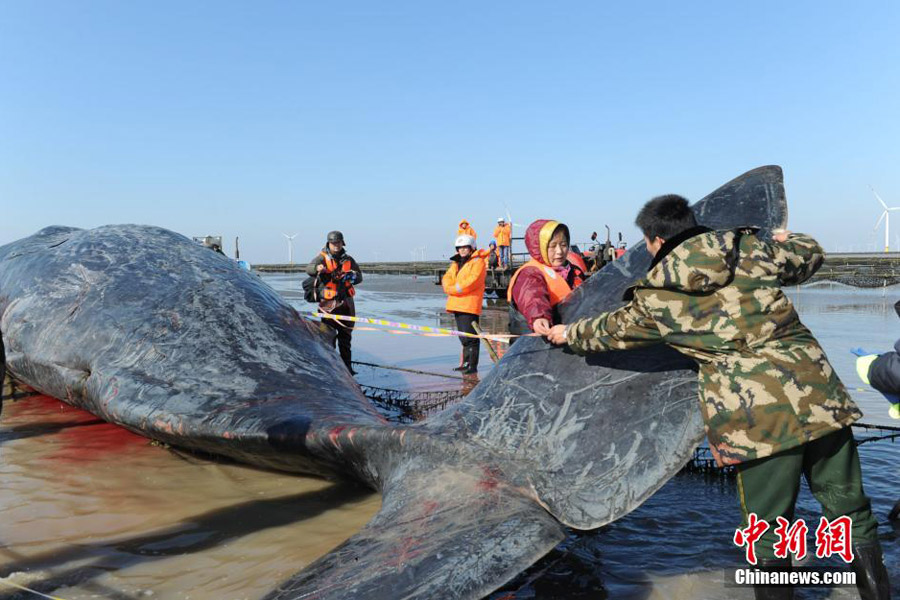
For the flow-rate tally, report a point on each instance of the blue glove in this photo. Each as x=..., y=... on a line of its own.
x=859, y=351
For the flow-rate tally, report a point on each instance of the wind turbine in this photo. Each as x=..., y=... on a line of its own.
x=290, y=242
x=509, y=217
x=887, y=220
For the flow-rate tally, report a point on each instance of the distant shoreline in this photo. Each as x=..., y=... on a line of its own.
x=857, y=269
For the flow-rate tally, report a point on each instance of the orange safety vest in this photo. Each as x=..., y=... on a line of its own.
x=577, y=260
x=472, y=274
x=557, y=286
x=331, y=288
x=502, y=234
x=467, y=231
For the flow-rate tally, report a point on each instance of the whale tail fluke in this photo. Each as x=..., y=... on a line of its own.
x=441, y=533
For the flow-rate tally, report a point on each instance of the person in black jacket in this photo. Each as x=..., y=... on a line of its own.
x=337, y=273
x=882, y=372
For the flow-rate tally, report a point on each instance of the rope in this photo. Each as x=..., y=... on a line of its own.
x=356, y=362
x=25, y=589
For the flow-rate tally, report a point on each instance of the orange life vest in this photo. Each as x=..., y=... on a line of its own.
x=556, y=285
x=466, y=231
x=577, y=260
x=331, y=288
x=503, y=233
x=465, y=286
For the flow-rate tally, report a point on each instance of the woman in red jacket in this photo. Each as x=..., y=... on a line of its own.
x=539, y=285
x=464, y=284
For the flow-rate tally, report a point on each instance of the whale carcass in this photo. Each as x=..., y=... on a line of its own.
x=150, y=331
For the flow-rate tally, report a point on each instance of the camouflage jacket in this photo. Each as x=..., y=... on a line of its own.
x=765, y=383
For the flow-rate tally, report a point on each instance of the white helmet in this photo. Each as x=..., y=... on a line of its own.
x=465, y=240
x=501, y=220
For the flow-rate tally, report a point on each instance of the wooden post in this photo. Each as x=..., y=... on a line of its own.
x=487, y=343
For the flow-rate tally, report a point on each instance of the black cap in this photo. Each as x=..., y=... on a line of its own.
x=335, y=237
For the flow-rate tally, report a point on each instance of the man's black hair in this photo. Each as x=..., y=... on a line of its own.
x=665, y=217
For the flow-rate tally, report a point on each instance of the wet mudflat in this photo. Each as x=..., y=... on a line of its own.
x=88, y=510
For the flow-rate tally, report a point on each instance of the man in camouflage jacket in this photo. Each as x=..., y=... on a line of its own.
x=772, y=403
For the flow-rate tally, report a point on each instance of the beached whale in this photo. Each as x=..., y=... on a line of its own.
x=150, y=331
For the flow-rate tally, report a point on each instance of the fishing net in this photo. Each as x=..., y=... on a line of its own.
x=703, y=462
x=860, y=272
x=411, y=406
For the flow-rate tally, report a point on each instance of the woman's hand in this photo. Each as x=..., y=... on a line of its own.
x=541, y=326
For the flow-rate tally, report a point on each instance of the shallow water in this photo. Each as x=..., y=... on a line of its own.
x=88, y=510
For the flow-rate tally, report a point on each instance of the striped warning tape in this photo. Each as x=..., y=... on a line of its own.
x=410, y=329
x=25, y=589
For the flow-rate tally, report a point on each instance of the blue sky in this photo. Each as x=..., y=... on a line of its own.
x=393, y=120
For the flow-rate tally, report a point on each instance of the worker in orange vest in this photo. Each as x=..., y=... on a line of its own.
x=503, y=235
x=337, y=273
x=464, y=285
x=538, y=286
x=466, y=229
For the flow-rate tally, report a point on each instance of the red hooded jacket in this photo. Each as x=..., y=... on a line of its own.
x=530, y=294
